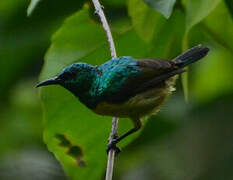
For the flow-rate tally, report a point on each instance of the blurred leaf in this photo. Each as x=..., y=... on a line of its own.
x=165, y=7
x=121, y=25
x=81, y=39
x=197, y=10
x=213, y=77
x=27, y=37
x=7, y=8
x=28, y=46
x=145, y=20
x=21, y=119
x=166, y=43
x=32, y=6
x=221, y=35
x=213, y=33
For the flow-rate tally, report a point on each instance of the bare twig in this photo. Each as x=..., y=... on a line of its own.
x=99, y=11
x=113, y=134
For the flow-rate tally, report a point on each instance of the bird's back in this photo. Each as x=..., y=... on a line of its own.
x=136, y=87
x=114, y=74
x=122, y=86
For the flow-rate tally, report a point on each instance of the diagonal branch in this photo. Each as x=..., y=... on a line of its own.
x=99, y=11
x=113, y=134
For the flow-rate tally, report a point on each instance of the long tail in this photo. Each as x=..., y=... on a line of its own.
x=191, y=56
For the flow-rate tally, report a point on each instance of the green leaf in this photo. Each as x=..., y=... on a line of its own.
x=32, y=6
x=167, y=43
x=19, y=36
x=221, y=35
x=76, y=135
x=21, y=115
x=213, y=77
x=27, y=37
x=197, y=10
x=145, y=20
x=165, y=7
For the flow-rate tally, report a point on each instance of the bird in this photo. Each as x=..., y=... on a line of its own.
x=125, y=86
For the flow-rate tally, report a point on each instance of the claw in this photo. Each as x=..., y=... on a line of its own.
x=112, y=145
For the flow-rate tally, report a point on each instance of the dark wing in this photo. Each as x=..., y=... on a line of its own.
x=153, y=72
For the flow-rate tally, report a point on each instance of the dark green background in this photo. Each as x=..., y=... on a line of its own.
x=183, y=141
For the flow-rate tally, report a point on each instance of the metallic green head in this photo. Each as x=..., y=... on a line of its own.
x=77, y=78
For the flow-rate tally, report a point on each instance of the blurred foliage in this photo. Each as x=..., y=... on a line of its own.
x=182, y=142
x=197, y=10
x=27, y=37
x=163, y=6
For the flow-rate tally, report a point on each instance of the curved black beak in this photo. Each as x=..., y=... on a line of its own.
x=48, y=82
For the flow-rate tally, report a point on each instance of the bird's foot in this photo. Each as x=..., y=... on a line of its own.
x=112, y=145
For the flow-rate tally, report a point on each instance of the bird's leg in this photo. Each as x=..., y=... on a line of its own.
x=112, y=145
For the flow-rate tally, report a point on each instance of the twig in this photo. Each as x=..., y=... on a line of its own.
x=113, y=134
x=99, y=11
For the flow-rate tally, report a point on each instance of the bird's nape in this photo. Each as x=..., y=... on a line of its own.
x=47, y=82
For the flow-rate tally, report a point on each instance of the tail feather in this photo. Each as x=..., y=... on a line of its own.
x=190, y=56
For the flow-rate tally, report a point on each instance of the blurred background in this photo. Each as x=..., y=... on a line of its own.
x=184, y=141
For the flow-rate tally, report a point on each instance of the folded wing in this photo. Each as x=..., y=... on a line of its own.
x=153, y=73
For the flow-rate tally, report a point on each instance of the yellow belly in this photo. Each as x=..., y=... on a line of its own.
x=143, y=104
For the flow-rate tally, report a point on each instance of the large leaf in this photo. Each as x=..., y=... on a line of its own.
x=213, y=75
x=73, y=133
x=197, y=10
x=223, y=36
x=145, y=20
x=167, y=43
x=165, y=7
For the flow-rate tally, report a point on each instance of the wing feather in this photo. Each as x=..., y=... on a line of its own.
x=153, y=73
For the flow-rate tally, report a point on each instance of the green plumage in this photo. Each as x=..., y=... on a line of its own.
x=125, y=87
x=94, y=84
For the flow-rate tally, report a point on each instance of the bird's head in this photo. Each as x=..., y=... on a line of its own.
x=76, y=78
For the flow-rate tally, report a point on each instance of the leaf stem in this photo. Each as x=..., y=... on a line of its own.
x=113, y=134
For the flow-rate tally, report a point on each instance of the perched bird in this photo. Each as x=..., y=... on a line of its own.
x=125, y=86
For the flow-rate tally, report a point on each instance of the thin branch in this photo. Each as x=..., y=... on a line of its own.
x=111, y=153
x=99, y=11
x=113, y=134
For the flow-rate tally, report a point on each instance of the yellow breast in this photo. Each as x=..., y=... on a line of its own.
x=143, y=104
